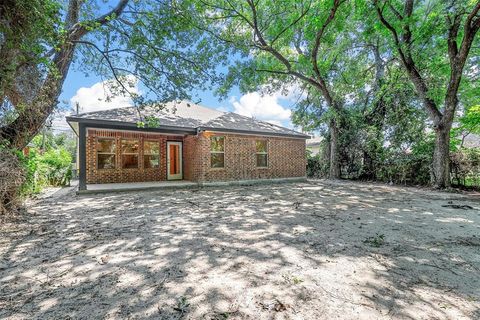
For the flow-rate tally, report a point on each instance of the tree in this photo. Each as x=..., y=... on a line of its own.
x=134, y=40
x=433, y=41
x=140, y=39
x=279, y=44
x=27, y=28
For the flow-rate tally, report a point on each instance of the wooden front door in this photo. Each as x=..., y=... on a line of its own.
x=174, y=160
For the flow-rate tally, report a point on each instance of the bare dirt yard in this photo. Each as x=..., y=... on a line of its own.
x=313, y=250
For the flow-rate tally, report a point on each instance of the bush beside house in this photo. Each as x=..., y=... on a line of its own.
x=46, y=168
x=45, y=162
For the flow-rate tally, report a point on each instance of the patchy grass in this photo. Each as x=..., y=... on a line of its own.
x=316, y=250
x=376, y=241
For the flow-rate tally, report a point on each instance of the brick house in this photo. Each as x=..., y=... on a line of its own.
x=190, y=142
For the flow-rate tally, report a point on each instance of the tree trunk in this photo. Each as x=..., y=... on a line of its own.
x=34, y=113
x=376, y=117
x=31, y=119
x=368, y=170
x=441, y=158
x=334, y=172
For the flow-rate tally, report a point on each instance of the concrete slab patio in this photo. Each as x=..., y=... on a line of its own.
x=137, y=186
x=177, y=184
x=308, y=250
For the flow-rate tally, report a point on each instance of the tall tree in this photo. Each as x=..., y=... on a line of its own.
x=277, y=44
x=433, y=40
x=139, y=39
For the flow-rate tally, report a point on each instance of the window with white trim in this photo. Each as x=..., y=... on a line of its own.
x=151, y=154
x=105, y=153
x=217, y=152
x=130, y=153
x=262, y=154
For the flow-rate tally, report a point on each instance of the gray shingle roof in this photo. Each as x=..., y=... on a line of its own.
x=188, y=115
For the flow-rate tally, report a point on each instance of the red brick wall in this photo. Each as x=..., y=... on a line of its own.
x=95, y=175
x=286, y=158
x=192, y=158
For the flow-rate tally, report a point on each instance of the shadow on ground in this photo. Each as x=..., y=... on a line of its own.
x=316, y=250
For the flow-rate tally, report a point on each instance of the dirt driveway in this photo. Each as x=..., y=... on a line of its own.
x=316, y=250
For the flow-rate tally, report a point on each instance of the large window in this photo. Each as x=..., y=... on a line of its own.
x=151, y=154
x=262, y=155
x=129, y=153
x=217, y=152
x=105, y=153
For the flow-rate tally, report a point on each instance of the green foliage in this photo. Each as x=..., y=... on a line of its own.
x=467, y=124
x=55, y=167
x=397, y=150
x=32, y=23
x=375, y=241
x=410, y=168
x=151, y=43
x=288, y=33
x=465, y=167
x=52, y=168
x=28, y=29
x=49, y=140
x=47, y=166
x=317, y=167
x=182, y=305
x=30, y=164
x=149, y=122
x=471, y=120
x=429, y=25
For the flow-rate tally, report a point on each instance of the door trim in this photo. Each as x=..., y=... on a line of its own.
x=178, y=176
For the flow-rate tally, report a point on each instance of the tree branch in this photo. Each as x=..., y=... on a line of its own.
x=316, y=47
x=294, y=22
x=273, y=71
x=80, y=29
x=452, y=36
x=458, y=58
x=407, y=60
x=109, y=63
x=266, y=47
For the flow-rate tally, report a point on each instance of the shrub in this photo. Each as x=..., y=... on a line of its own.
x=22, y=176
x=317, y=167
x=52, y=168
x=55, y=167
x=400, y=165
x=314, y=166
x=12, y=176
x=405, y=168
x=30, y=165
x=465, y=167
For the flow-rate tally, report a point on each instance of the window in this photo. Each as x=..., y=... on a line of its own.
x=217, y=152
x=129, y=153
x=151, y=154
x=262, y=157
x=105, y=153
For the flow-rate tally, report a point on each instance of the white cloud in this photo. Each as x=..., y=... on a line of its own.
x=266, y=107
x=95, y=98
x=101, y=97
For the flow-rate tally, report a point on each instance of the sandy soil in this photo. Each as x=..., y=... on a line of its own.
x=316, y=250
